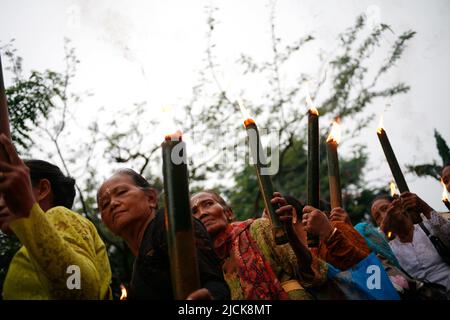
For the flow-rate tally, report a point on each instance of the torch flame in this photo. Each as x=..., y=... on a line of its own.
x=309, y=101
x=245, y=114
x=380, y=125
x=124, y=292
x=444, y=192
x=177, y=136
x=392, y=188
x=335, y=133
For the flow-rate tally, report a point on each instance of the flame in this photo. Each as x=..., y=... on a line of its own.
x=177, y=136
x=309, y=101
x=167, y=123
x=393, y=188
x=389, y=235
x=444, y=192
x=335, y=133
x=124, y=292
x=245, y=114
x=380, y=128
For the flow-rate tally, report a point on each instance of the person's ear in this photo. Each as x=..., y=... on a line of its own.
x=43, y=190
x=152, y=198
x=230, y=215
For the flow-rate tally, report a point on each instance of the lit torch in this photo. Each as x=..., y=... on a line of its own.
x=445, y=195
x=4, y=118
x=264, y=180
x=333, y=165
x=393, y=189
x=313, y=182
x=395, y=167
x=391, y=159
x=124, y=292
x=178, y=217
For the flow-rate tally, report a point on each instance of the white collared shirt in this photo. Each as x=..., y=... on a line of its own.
x=419, y=258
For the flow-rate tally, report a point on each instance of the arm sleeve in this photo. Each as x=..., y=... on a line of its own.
x=54, y=246
x=210, y=269
x=345, y=248
x=284, y=256
x=440, y=227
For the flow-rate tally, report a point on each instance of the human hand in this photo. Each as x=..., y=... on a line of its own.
x=411, y=202
x=316, y=222
x=200, y=294
x=285, y=211
x=339, y=214
x=15, y=183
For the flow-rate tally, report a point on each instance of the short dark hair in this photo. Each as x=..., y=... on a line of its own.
x=382, y=196
x=63, y=187
x=138, y=180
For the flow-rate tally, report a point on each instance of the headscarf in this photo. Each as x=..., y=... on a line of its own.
x=376, y=241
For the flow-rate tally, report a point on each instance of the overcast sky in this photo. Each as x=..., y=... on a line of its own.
x=133, y=51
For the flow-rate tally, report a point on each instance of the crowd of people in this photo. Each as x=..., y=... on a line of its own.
x=391, y=258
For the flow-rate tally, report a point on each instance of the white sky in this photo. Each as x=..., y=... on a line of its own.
x=134, y=51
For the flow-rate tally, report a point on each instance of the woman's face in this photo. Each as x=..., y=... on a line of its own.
x=379, y=209
x=5, y=217
x=123, y=204
x=210, y=212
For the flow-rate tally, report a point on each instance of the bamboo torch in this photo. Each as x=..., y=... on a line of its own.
x=178, y=217
x=333, y=165
x=445, y=195
x=395, y=167
x=4, y=118
x=313, y=178
x=391, y=159
x=264, y=180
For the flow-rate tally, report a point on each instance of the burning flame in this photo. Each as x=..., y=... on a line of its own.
x=389, y=235
x=309, y=101
x=393, y=188
x=124, y=292
x=380, y=125
x=335, y=133
x=167, y=123
x=444, y=192
x=245, y=114
x=177, y=136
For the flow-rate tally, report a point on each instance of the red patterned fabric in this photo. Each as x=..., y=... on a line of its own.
x=256, y=276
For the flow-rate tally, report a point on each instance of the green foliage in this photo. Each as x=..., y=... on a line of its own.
x=29, y=98
x=433, y=169
x=352, y=83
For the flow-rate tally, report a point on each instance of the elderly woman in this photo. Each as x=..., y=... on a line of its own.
x=62, y=255
x=128, y=206
x=254, y=266
x=412, y=246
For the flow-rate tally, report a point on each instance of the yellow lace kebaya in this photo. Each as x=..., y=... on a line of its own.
x=51, y=243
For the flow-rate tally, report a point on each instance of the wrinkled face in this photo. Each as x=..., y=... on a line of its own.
x=122, y=204
x=446, y=177
x=5, y=216
x=210, y=212
x=379, y=209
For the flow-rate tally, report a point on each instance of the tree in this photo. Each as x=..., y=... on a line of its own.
x=349, y=82
x=433, y=169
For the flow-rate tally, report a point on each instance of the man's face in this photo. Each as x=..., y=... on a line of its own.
x=122, y=204
x=210, y=212
x=379, y=209
x=446, y=177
